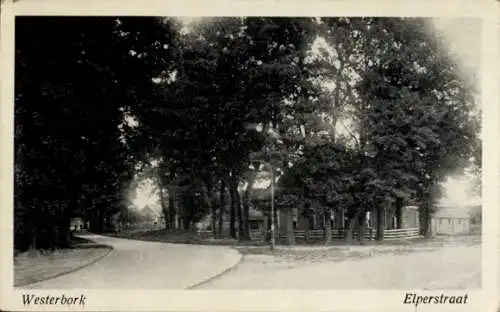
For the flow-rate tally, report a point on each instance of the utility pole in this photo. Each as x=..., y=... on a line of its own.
x=271, y=171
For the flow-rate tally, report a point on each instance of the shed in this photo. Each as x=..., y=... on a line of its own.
x=451, y=221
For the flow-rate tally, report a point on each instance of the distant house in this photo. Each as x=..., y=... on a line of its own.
x=260, y=204
x=451, y=221
x=256, y=221
x=308, y=216
x=149, y=214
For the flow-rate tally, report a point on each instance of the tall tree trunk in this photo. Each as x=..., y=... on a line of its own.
x=349, y=231
x=34, y=237
x=341, y=219
x=170, y=215
x=159, y=183
x=164, y=209
x=399, y=213
x=381, y=211
x=241, y=231
x=276, y=224
x=101, y=218
x=361, y=226
x=246, y=215
x=173, y=209
x=351, y=226
x=425, y=223
x=179, y=209
x=213, y=210
x=32, y=228
x=186, y=223
x=307, y=230
x=207, y=191
x=222, y=207
x=233, y=192
x=290, y=233
x=63, y=223
x=327, y=228
x=64, y=232
x=163, y=205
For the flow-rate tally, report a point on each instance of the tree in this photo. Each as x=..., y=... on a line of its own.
x=414, y=121
x=420, y=114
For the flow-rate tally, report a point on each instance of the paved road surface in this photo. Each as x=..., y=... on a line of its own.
x=457, y=267
x=138, y=264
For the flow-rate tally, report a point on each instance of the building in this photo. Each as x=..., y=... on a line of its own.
x=256, y=221
x=149, y=214
x=451, y=221
x=310, y=216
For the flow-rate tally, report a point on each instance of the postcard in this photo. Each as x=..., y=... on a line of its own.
x=249, y=156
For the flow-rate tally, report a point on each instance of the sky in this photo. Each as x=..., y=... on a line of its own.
x=144, y=196
x=456, y=193
x=462, y=37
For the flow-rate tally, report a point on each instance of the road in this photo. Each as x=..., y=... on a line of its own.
x=151, y=265
x=454, y=267
x=137, y=264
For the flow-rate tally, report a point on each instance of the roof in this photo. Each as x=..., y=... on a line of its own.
x=452, y=212
x=469, y=202
x=147, y=211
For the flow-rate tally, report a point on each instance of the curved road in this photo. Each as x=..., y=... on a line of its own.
x=137, y=264
x=152, y=265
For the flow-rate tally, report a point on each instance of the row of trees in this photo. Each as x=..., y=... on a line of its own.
x=416, y=123
x=75, y=78
x=351, y=111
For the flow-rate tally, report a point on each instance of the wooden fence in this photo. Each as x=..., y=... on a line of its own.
x=337, y=234
x=401, y=233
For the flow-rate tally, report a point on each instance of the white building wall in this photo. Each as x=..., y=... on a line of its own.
x=450, y=226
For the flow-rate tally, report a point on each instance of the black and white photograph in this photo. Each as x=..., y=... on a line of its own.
x=247, y=153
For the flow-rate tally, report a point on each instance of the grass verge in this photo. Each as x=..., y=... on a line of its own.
x=343, y=251
x=35, y=266
x=165, y=236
